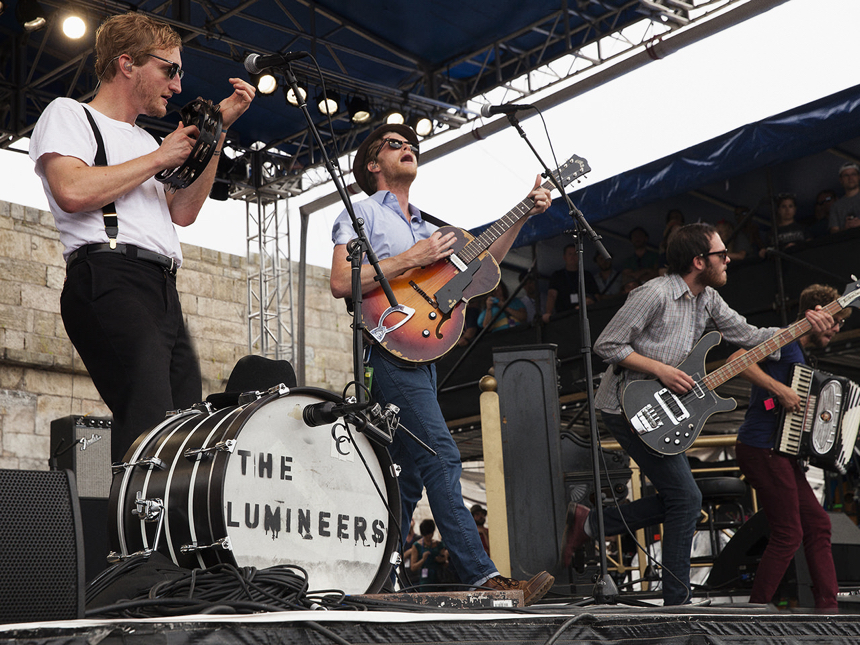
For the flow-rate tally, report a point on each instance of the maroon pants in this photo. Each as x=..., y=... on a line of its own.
x=795, y=517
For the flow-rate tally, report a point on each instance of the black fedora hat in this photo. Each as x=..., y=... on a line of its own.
x=359, y=164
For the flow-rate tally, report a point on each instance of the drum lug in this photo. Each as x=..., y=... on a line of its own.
x=223, y=543
x=200, y=453
x=149, y=510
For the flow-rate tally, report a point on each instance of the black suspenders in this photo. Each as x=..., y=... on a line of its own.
x=109, y=210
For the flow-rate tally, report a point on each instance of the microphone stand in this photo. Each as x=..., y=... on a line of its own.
x=357, y=248
x=605, y=591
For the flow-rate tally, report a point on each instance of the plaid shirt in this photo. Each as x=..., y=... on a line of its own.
x=662, y=320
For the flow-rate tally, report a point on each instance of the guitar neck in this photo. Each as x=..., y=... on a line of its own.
x=762, y=351
x=498, y=228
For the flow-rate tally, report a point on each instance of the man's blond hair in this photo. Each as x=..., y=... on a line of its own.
x=134, y=34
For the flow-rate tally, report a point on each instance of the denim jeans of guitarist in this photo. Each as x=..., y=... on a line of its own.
x=677, y=505
x=414, y=392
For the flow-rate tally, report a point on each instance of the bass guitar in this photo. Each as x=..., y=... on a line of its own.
x=429, y=317
x=669, y=423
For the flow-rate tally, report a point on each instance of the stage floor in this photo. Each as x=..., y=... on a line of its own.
x=709, y=622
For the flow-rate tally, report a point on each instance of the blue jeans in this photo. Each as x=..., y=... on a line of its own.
x=677, y=505
x=414, y=392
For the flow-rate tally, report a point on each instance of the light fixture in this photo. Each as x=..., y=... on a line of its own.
x=359, y=110
x=30, y=15
x=394, y=117
x=422, y=124
x=291, y=96
x=328, y=103
x=74, y=27
x=265, y=82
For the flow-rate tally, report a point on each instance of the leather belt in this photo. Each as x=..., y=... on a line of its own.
x=130, y=251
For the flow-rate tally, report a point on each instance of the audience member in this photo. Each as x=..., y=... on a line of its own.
x=644, y=262
x=845, y=213
x=470, y=324
x=749, y=236
x=725, y=230
x=608, y=279
x=513, y=315
x=563, y=294
x=530, y=295
x=479, y=514
x=788, y=230
x=818, y=224
x=429, y=556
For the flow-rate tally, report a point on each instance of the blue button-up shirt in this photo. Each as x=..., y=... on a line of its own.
x=387, y=229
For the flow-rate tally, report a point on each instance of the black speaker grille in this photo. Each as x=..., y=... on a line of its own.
x=41, y=559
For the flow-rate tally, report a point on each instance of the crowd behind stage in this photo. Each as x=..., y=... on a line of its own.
x=748, y=237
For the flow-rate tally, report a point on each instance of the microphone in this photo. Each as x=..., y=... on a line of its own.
x=255, y=63
x=320, y=414
x=510, y=108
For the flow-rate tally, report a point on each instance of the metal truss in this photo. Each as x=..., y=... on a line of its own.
x=270, y=280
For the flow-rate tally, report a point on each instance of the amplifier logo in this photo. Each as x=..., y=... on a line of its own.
x=85, y=443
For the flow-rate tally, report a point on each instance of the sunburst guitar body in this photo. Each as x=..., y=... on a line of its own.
x=429, y=316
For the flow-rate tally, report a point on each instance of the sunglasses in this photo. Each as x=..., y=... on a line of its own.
x=397, y=144
x=721, y=254
x=174, y=67
x=824, y=200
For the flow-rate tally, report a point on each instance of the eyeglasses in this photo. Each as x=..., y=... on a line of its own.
x=174, y=67
x=824, y=200
x=721, y=254
x=397, y=144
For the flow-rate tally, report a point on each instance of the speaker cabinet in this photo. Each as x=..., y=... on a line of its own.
x=41, y=559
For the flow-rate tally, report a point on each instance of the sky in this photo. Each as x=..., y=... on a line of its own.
x=791, y=55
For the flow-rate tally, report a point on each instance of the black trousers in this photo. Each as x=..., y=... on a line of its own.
x=124, y=318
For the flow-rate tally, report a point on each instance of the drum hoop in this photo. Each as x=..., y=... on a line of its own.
x=120, y=482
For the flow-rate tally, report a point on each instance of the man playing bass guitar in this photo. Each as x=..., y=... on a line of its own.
x=653, y=332
x=385, y=166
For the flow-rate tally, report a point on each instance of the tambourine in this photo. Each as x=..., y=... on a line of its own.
x=207, y=117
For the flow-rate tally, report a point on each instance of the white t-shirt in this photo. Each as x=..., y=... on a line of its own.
x=144, y=219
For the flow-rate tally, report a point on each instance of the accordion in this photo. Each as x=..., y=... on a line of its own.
x=824, y=430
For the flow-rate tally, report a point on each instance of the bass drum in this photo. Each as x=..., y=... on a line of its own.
x=254, y=486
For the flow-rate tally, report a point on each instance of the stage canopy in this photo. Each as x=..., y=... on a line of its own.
x=425, y=58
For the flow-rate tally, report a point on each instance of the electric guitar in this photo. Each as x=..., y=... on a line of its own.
x=429, y=317
x=669, y=423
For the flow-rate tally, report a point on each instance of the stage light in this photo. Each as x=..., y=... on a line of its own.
x=423, y=125
x=291, y=97
x=359, y=110
x=74, y=27
x=30, y=15
x=265, y=82
x=2, y=7
x=328, y=104
x=394, y=117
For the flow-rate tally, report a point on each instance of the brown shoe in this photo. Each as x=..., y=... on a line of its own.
x=574, y=531
x=533, y=590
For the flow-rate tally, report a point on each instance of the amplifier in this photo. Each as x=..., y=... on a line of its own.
x=82, y=444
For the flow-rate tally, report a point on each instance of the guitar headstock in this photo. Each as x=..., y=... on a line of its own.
x=572, y=169
x=851, y=294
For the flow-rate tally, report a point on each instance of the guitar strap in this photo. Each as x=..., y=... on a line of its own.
x=433, y=220
x=109, y=210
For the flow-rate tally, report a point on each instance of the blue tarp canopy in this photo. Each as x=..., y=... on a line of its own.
x=798, y=151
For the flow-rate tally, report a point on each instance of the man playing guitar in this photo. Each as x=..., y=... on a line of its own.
x=653, y=332
x=385, y=166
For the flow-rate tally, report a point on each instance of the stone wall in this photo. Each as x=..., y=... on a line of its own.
x=42, y=377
